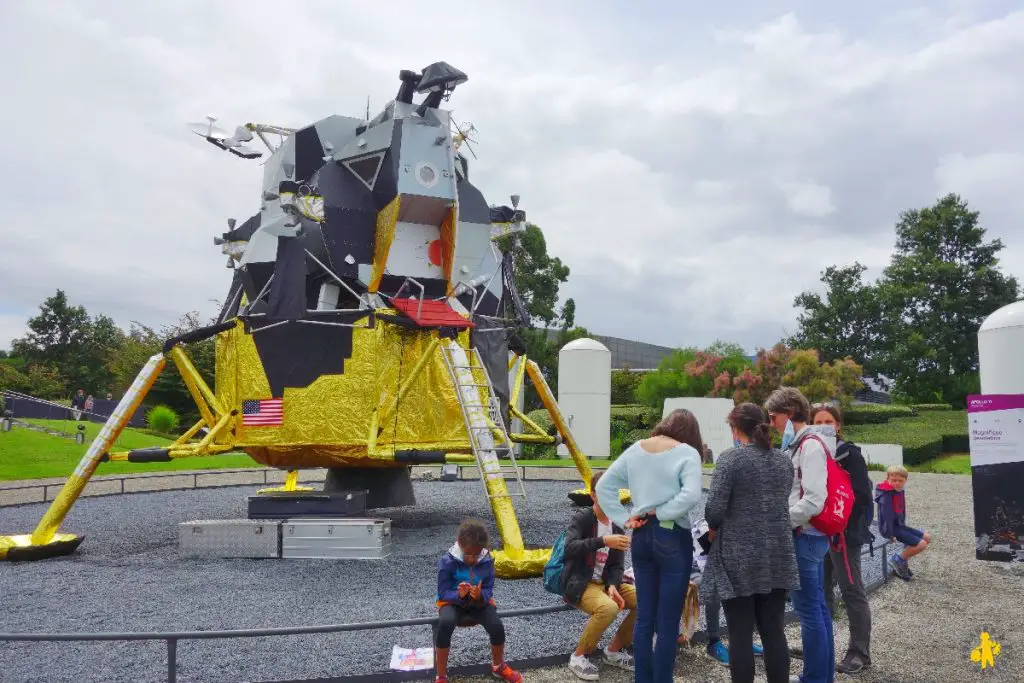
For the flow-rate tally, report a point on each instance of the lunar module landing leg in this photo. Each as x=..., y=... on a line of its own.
x=45, y=541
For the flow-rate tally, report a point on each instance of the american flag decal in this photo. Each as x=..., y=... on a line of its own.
x=263, y=413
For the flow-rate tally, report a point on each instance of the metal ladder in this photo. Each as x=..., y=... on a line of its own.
x=484, y=420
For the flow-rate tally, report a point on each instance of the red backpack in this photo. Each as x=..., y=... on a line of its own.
x=835, y=514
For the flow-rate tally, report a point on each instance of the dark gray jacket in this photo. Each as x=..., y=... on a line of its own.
x=748, y=506
x=581, y=546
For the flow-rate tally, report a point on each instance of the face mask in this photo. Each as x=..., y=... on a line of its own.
x=737, y=443
x=788, y=435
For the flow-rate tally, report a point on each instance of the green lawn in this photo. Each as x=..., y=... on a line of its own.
x=958, y=463
x=27, y=454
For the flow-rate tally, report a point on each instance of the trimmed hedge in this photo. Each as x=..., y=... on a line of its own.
x=635, y=417
x=956, y=443
x=925, y=407
x=875, y=414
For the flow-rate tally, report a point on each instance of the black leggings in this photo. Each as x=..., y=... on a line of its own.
x=767, y=611
x=487, y=616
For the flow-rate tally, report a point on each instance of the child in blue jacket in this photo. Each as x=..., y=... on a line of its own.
x=892, y=521
x=465, y=595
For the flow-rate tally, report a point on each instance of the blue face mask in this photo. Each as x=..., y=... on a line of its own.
x=788, y=435
x=737, y=443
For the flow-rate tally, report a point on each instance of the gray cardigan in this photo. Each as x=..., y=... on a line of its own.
x=748, y=505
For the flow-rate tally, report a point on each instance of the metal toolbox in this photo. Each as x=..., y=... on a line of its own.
x=351, y=539
x=230, y=538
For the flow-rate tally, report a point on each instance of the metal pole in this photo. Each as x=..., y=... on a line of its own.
x=172, y=660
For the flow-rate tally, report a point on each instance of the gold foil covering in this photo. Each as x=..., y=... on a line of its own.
x=522, y=565
x=8, y=543
x=449, y=228
x=327, y=424
x=385, y=235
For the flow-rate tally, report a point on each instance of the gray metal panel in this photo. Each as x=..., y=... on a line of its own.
x=230, y=538
x=426, y=167
x=472, y=247
x=351, y=539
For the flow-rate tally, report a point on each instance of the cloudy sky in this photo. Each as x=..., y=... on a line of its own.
x=696, y=167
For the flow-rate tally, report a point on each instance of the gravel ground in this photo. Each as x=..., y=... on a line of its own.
x=127, y=576
x=922, y=631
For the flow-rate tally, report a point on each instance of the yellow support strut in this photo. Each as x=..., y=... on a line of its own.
x=45, y=541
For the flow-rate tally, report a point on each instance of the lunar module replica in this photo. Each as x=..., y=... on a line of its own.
x=369, y=326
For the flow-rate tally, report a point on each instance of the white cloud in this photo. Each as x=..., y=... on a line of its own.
x=695, y=172
x=808, y=198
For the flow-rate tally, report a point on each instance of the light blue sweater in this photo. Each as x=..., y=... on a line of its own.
x=667, y=483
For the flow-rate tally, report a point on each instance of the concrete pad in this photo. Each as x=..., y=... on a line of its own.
x=215, y=478
x=102, y=487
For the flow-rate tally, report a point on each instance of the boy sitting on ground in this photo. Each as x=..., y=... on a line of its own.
x=592, y=581
x=892, y=521
x=465, y=594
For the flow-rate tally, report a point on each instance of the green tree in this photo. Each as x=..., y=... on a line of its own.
x=942, y=283
x=845, y=322
x=671, y=379
x=538, y=277
x=79, y=348
x=624, y=385
x=918, y=323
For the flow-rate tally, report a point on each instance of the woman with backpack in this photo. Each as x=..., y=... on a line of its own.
x=858, y=532
x=663, y=475
x=751, y=564
x=810, y=452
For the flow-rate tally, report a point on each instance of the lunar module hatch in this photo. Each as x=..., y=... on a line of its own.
x=368, y=324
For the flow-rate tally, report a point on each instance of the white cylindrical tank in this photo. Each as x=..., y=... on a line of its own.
x=1001, y=351
x=585, y=395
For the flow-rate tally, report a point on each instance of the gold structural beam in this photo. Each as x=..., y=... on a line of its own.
x=380, y=416
x=45, y=541
x=549, y=402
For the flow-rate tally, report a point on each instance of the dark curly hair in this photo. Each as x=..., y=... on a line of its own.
x=472, y=534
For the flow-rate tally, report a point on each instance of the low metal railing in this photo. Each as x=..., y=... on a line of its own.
x=171, y=638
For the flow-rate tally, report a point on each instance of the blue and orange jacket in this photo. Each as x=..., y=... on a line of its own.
x=892, y=509
x=453, y=570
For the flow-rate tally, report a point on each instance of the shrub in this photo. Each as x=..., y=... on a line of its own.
x=636, y=416
x=918, y=449
x=925, y=407
x=543, y=420
x=956, y=443
x=877, y=467
x=162, y=419
x=870, y=413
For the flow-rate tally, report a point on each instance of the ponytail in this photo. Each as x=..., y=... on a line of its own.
x=752, y=422
x=761, y=437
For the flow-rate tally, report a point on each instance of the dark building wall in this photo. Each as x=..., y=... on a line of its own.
x=628, y=353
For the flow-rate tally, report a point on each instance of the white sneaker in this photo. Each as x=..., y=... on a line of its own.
x=621, y=659
x=583, y=668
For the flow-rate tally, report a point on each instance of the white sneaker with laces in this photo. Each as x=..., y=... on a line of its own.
x=583, y=668
x=621, y=659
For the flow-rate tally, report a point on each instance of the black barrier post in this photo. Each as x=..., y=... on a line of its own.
x=172, y=660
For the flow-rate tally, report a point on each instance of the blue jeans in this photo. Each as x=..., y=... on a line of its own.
x=661, y=566
x=809, y=605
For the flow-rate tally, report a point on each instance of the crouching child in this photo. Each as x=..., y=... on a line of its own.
x=465, y=596
x=595, y=560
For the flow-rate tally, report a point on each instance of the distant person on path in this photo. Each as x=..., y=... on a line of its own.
x=809, y=453
x=78, y=404
x=892, y=521
x=663, y=475
x=858, y=533
x=89, y=403
x=595, y=557
x=752, y=564
x=465, y=593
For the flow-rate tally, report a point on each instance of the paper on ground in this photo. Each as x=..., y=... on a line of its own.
x=404, y=659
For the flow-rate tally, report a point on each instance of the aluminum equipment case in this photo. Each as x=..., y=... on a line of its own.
x=351, y=539
x=252, y=538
